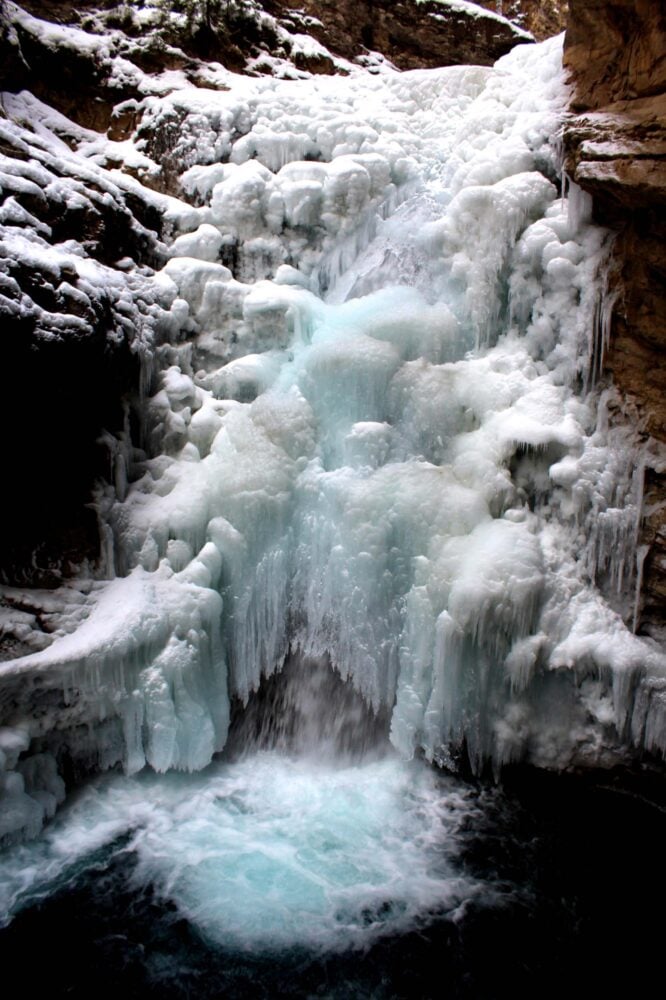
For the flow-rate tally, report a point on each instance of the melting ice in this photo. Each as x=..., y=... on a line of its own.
x=371, y=441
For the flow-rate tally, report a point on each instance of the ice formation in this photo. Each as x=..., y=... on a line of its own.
x=375, y=439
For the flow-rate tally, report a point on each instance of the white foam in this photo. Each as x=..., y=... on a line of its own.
x=269, y=853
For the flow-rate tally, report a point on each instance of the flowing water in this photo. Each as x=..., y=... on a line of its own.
x=279, y=875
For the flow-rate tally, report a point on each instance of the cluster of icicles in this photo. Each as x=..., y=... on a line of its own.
x=369, y=442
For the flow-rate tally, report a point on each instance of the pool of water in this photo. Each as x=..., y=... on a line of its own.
x=279, y=876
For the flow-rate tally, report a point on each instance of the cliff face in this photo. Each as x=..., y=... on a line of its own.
x=616, y=150
x=615, y=48
x=413, y=34
x=70, y=320
x=543, y=19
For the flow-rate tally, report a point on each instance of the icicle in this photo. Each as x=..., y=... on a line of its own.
x=641, y=554
x=580, y=205
x=401, y=480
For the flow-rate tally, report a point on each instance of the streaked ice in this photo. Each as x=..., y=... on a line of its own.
x=374, y=438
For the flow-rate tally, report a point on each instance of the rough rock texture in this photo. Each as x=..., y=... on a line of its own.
x=70, y=351
x=79, y=82
x=410, y=33
x=70, y=80
x=615, y=48
x=543, y=18
x=616, y=150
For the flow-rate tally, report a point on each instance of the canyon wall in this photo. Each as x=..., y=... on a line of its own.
x=413, y=34
x=543, y=19
x=615, y=145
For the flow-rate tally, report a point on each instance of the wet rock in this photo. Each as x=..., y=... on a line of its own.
x=71, y=353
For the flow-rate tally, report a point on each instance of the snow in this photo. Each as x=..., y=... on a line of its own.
x=57, y=36
x=479, y=13
x=366, y=435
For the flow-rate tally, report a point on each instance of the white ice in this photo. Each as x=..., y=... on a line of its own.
x=369, y=437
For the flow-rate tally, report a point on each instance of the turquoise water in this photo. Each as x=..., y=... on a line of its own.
x=540, y=889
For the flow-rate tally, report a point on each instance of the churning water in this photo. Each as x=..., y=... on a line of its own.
x=271, y=852
x=276, y=876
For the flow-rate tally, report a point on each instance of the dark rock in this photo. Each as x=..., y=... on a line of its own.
x=616, y=150
x=543, y=19
x=69, y=354
x=412, y=35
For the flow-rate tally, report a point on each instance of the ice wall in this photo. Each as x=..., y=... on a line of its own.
x=376, y=438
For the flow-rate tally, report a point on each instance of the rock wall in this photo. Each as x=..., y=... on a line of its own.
x=71, y=350
x=543, y=19
x=615, y=146
x=413, y=34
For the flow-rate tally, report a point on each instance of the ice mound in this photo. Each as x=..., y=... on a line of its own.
x=375, y=443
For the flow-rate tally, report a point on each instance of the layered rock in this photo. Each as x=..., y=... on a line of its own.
x=616, y=150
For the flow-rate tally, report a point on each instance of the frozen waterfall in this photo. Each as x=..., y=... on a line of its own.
x=375, y=442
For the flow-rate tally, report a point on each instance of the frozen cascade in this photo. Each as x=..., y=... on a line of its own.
x=369, y=443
